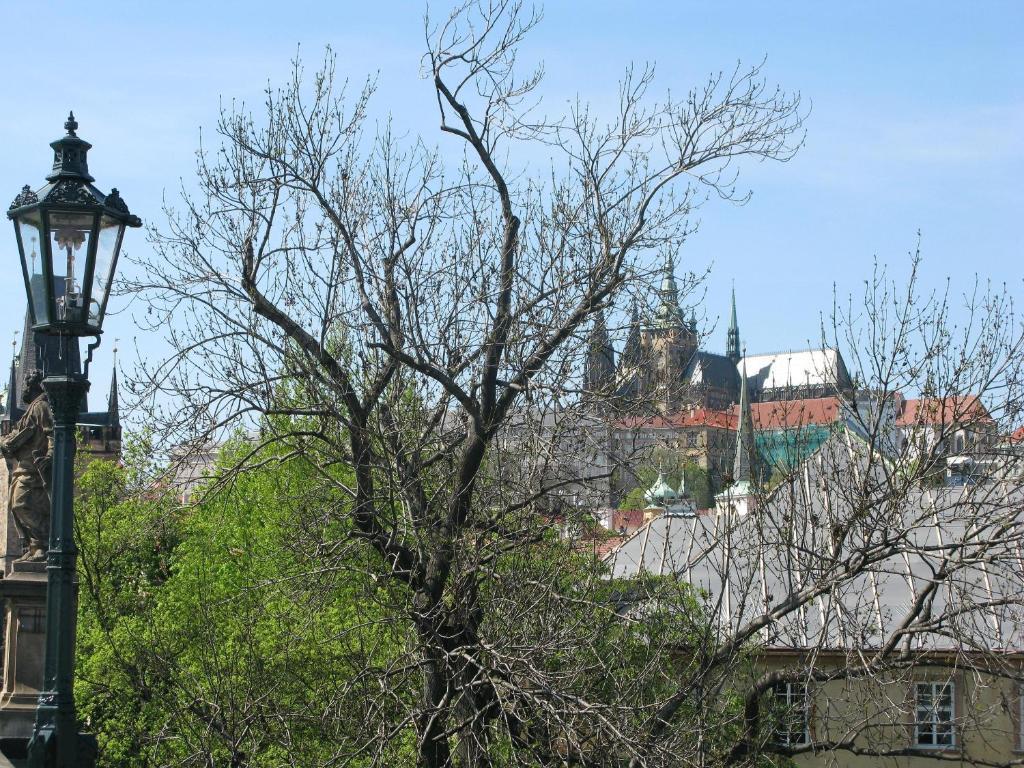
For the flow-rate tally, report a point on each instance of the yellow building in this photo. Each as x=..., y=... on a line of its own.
x=935, y=708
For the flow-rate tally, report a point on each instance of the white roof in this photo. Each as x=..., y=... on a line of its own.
x=775, y=569
x=809, y=368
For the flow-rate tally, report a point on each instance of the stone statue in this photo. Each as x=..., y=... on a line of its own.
x=29, y=451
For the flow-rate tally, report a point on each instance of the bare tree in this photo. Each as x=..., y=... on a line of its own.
x=417, y=314
x=413, y=327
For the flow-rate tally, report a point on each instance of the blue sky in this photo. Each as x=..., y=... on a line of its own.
x=918, y=114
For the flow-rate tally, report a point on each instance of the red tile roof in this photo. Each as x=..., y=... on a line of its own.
x=967, y=409
x=782, y=414
x=1018, y=436
x=792, y=414
x=695, y=417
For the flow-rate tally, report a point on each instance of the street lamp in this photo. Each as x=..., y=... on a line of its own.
x=69, y=235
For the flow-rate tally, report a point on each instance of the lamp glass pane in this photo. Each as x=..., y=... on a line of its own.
x=30, y=231
x=71, y=233
x=107, y=246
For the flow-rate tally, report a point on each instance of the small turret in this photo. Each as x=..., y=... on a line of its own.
x=662, y=499
x=660, y=494
x=112, y=429
x=685, y=504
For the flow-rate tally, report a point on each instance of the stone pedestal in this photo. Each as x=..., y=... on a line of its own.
x=23, y=591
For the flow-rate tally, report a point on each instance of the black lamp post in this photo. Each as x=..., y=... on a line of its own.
x=69, y=236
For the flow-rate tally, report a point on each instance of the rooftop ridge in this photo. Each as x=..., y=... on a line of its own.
x=790, y=352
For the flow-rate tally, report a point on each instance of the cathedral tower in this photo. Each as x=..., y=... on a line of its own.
x=670, y=342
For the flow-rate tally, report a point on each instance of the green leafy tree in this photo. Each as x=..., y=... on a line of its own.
x=208, y=636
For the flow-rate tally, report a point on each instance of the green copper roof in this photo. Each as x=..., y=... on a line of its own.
x=660, y=494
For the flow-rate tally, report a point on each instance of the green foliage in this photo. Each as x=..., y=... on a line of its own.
x=125, y=560
x=634, y=499
x=699, y=484
x=211, y=631
x=247, y=630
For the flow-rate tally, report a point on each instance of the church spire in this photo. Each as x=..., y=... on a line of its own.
x=113, y=405
x=741, y=469
x=732, y=345
x=741, y=496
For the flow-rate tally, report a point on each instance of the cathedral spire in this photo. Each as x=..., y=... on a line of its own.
x=599, y=375
x=669, y=314
x=669, y=290
x=632, y=355
x=732, y=345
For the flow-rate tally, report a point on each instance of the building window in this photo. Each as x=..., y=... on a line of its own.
x=691, y=439
x=791, y=714
x=934, y=715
